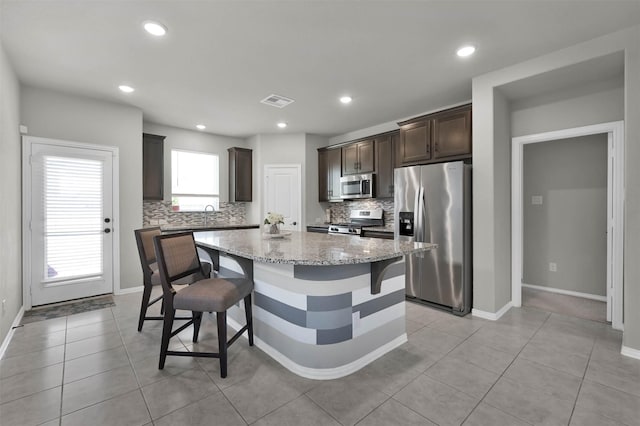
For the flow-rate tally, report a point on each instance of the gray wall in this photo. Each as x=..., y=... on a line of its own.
x=579, y=106
x=488, y=208
x=10, y=207
x=192, y=140
x=56, y=115
x=569, y=227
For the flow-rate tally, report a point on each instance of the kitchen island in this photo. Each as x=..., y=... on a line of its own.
x=324, y=305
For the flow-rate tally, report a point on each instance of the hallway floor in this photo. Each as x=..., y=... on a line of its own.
x=571, y=306
x=528, y=368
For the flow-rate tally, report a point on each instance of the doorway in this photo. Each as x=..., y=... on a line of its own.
x=613, y=132
x=70, y=235
x=283, y=190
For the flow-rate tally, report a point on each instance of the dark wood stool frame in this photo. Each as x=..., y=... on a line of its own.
x=196, y=319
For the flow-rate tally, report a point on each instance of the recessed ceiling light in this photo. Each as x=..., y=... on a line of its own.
x=125, y=88
x=346, y=99
x=200, y=126
x=282, y=124
x=155, y=28
x=466, y=51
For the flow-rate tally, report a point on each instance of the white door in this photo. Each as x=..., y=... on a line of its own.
x=283, y=189
x=68, y=199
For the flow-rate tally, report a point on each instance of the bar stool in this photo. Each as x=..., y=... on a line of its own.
x=177, y=258
x=151, y=276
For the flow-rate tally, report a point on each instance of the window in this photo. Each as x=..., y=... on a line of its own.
x=195, y=181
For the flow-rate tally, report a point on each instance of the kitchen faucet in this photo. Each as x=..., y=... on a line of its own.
x=213, y=210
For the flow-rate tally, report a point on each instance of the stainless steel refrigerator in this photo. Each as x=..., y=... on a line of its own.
x=433, y=204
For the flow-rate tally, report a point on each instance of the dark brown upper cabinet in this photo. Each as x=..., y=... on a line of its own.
x=358, y=157
x=385, y=162
x=152, y=167
x=329, y=173
x=240, y=174
x=433, y=138
x=452, y=133
x=414, y=146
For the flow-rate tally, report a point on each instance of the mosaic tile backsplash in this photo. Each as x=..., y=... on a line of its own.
x=159, y=212
x=340, y=211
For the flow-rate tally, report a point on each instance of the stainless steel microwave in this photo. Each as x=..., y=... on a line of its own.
x=356, y=186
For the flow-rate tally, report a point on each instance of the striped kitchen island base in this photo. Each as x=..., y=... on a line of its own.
x=322, y=322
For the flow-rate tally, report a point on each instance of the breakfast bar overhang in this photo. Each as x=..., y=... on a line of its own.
x=324, y=305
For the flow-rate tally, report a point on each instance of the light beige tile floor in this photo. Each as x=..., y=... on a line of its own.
x=530, y=367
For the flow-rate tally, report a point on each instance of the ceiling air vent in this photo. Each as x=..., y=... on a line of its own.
x=276, y=101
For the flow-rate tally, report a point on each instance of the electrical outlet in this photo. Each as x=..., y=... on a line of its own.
x=553, y=267
x=536, y=200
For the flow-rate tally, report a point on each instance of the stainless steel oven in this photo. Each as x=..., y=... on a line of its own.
x=356, y=186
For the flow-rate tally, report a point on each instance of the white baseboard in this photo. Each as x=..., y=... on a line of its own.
x=567, y=292
x=128, y=290
x=9, y=336
x=630, y=352
x=490, y=315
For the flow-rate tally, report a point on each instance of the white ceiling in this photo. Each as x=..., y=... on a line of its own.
x=220, y=58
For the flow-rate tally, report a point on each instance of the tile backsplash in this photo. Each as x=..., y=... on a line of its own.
x=340, y=211
x=159, y=212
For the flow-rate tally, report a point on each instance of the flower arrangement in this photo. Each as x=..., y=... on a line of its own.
x=273, y=219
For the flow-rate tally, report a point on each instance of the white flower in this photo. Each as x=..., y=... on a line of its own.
x=273, y=218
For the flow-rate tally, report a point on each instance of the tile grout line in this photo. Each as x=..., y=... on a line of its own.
x=584, y=374
x=64, y=365
x=135, y=374
x=438, y=360
x=502, y=375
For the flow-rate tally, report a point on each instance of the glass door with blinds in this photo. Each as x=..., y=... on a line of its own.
x=70, y=222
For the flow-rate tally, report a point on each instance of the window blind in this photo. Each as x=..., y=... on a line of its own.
x=73, y=217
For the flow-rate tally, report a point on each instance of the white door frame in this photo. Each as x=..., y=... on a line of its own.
x=27, y=142
x=299, y=223
x=615, y=210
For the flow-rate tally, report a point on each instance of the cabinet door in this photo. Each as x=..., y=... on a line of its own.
x=384, y=166
x=244, y=175
x=415, y=142
x=366, y=156
x=350, y=159
x=452, y=134
x=334, y=162
x=152, y=167
x=324, y=176
x=240, y=174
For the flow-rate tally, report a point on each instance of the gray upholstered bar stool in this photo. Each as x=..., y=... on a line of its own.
x=177, y=258
x=151, y=276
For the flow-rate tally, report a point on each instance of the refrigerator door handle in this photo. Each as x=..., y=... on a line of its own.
x=419, y=216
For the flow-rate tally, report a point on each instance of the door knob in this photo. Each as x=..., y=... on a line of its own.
x=294, y=223
x=107, y=230
x=107, y=220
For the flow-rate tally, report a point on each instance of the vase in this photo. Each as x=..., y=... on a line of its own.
x=274, y=228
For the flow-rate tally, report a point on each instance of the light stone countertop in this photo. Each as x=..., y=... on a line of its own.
x=210, y=226
x=307, y=248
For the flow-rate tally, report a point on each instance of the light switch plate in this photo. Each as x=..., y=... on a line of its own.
x=536, y=200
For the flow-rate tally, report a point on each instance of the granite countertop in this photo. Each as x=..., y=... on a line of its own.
x=307, y=248
x=209, y=226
